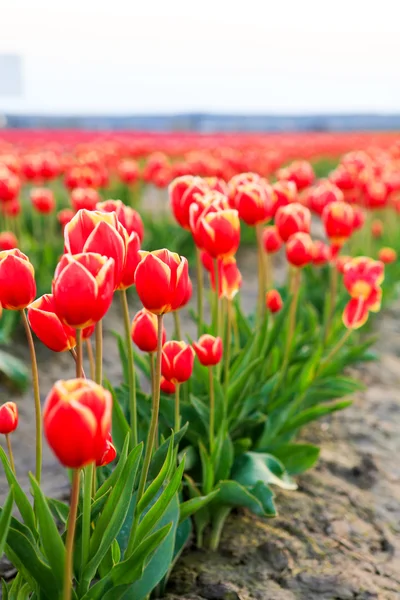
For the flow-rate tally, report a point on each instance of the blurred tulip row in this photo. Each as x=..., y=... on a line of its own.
x=198, y=426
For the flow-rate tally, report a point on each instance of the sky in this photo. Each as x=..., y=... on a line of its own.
x=256, y=56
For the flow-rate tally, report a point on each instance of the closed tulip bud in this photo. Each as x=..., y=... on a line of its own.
x=338, y=220
x=127, y=216
x=291, y=219
x=144, y=331
x=128, y=171
x=8, y=418
x=299, y=249
x=341, y=262
x=177, y=361
x=133, y=258
x=167, y=387
x=109, y=453
x=84, y=198
x=387, y=255
x=48, y=327
x=8, y=241
x=182, y=193
x=239, y=180
x=299, y=171
x=273, y=301
x=229, y=276
x=10, y=185
x=77, y=421
x=377, y=228
x=359, y=218
x=285, y=192
x=272, y=241
x=321, y=253
x=17, y=280
x=210, y=202
x=100, y=233
x=355, y=313
x=162, y=281
x=375, y=194
x=322, y=194
x=83, y=288
x=254, y=202
x=64, y=216
x=220, y=233
x=12, y=209
x=43, y=200
x=208, y=350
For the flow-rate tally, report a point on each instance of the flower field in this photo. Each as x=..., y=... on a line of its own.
x=210, y=414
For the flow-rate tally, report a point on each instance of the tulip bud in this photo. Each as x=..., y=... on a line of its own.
x=272, y=241
x=239, y=180
x=216, y=184
x=355, y=313
x=8, y=418
x=229, y=276
x=387, y=255
x=254, y=202
x=321, y=253
x=127, y=216
x=359, y=218
x=77, y=421
x=162, y=281
x=177, y=361
x=8, y=241
x=133, y=258
x=299, y=249
x=208, y=350
x=109, y=453
x=291, y=219
x=182, y=193
x=43, y=200
x=128, y=171
x=17, y=280
x=144, y=331
x=48, y=327
x=210, y=202
x=341, y=262
x=220, y=233
x=375, y=194
x=322, y=194
x=338, y=220
x=285, y=192
x=10, y=185
x=299, y=171
x=100, y=233
x=273, y=301
x=84, y=198
x=64, y=216
x=377, y=228
x=83, y=288
x=167, y=387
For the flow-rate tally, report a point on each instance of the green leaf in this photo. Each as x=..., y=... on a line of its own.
x=50, y=538
x=188, y=508
x=237, y=385
x=231, y=493
x=5, y=519
x=265, y=495
x=59, y=509
x=14, y=370
x=22, y=502
x=157, y=483
x=297, y=458
x=207, y=469
x=312, y=414
x=120, y=426
x=160, y=454
x=115, y=475
x=225, y=462
x=252, y=467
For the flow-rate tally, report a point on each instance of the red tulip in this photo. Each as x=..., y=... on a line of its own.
x=387, y=255
x=127, y=216
x=64, y=216
x=217, y=184
x=322, y=194
x=144, y=331
x=338, y=220
x=300, y=172
x=133, y=258
x=177, y=361
x=167, y=387
x=239, y=180
x=43, y=200
x=229, y=276
x=359, y=217
x=8, y=418
x=8, y=241
x=208, y=350
x=162, y=281
x=128, y=171
x=377, y=228
x=299, y=249
x=321, y=253
x=254, y=202
x=273, y=301
x=10, y=185
x=341, y=262
x=48, y=327
x=362, y=277
x=219, y=233
x=182, y=193
x=77, y=421
x=291, y=219
x=83, y=288
x=285, y=192
x=84, y=198
x=355, y=313
x=211, y=202
x=98, y=232
x=109, y=453
x=17, y=280
x=272, y=241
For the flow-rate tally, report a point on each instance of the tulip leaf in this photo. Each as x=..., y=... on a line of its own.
x=188, y=508
x=231, y=493
x=5, y=519
x=116, y=473
x=59, y=509
x=236, y=387
x=312, y=414
x=160, y=454
x=157, y=483
x=297, y=458
x=265, y=495
x=22, y=502
x=14, y=370
x=207, y=470
x=253, y=467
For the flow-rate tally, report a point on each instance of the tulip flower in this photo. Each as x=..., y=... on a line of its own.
x=64, y=216
x=167, y=387
x=254, y=202
x=300, y=172
x=377, y=228
x=273, y=301
x=43, y=200
x=144, y=331
x=361, y=277
x=162, y=281
x=100, y=233
x=83, y=288
x=177, y=361
x=133, y=258
x=285, y=192
x=338, y=220
x=299, y=249
x=10, y=185
x=128, y=171
x=8, y=241
x=217, y=184
x=239, y=180
x=77, y=421
x=341, y=262
x=208, y=350
x=109, y=453
x=8, y=418
x=202, y=205
x=182, y=193
x=322, y=194
x=387, y=255
x=220, y=233
x=291, y=219
x=272, y=241
x=127, y=216
x=321, y=253
x=84, y=198
x=355, y=313
x=17, y=280
x=48, y=327
x=375, y=194
x=359, y=217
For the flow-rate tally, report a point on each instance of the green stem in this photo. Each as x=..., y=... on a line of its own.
x=36, y=395
x=99, y=353
x=200, y=314
x=92, y=364
x=152, y=372
x=218, y=523
x=10, y=454
x=212, y=407
x=79, y=353
x=295, y=290
x=236, y=335
x=335, y=350
x=131, y=369
x=217, y=302
x=331, y=299
x=69, y=544
x=86, y=514
x=177, y=322
x=261, y=273
x=177, y=408
x=152, y=432
x=227, y=353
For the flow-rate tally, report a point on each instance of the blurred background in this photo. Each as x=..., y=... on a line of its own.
x=209, y=66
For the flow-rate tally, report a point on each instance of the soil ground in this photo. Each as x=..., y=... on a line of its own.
x=336, y=538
